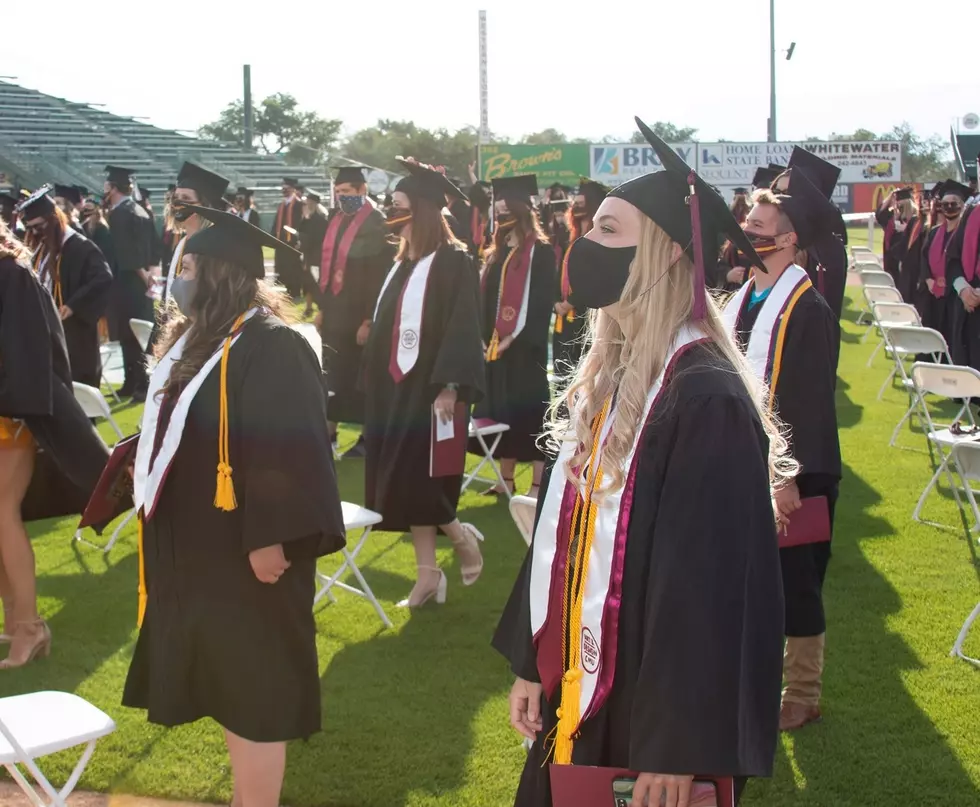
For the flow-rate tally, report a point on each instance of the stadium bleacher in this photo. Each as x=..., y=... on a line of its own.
x=48, y=139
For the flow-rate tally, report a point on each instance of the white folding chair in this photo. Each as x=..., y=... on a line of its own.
x=889, y=315
x=355, y=518
x=957, y=650
x=952, y=382
x=905, y=341
x=481, y=429
x=94, y=405
x=141, y=330
x=43, y=723
x=522, y=510
x=872, y=296
x=105, y=353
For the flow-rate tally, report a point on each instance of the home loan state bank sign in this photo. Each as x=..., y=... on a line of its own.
x=732, y=164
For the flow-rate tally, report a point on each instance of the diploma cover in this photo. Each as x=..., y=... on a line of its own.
x=448, y=457
x=114, y=493
x=584, y=786
x=808, y=525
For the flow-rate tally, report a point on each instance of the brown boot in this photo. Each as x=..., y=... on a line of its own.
x=803, y=673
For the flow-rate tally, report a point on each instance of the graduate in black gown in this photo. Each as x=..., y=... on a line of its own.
x=423, y=360
x=567, y=342
x=791, y=339
x=908, y=245
x=245, y=206
x=75, y=273
x=68, y=198
x=237, y=496
x=51, y=456
x=943, y=308
x=289, y=263
x=670, y=666
x=479, y=212
x=353, y=260
x=518, y=293
x=961, y=274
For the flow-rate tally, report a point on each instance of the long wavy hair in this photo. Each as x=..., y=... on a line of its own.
x=224, y=292
x=528, y=223
x=12, y=247
x=54, y=235
x=740, y=208
x=626, y=356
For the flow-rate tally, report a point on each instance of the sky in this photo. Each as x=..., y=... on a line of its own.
x=583, y=68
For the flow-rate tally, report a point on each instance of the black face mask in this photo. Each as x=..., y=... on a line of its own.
x=180, y=213
x=397, y=218
x=597, y=274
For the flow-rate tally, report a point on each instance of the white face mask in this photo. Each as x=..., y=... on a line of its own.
x=183, y=291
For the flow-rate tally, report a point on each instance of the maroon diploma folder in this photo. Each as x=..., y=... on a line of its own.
x=808, y=525
x=114, y=493
x=448, y=457
x=583, y=786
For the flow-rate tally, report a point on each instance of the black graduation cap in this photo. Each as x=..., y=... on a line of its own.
x=69, y=193
x=822, y=174
x=811, y=213
x=594, y=192
x=764, y=177
x=902, y=194
x=243, y=191
x=232, y=239
x=479, y=196
x=39, y=203
x=313, y=196
x=741, y=191
x=207, y=184
x=351, y=175
x=951, y=186
x=559, y=186
x=426, y=182
x=171, y=187
x=292, y=182
x=680, y=202
x=518, y=187
x=118, y=175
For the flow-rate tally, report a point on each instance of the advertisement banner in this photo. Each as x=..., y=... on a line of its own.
x=563, y=162
x=859, y=161
x=613, y=164
x=868, y=197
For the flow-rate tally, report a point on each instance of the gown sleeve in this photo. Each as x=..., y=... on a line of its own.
x=883, y=215
x=290, y=491
x=460, y=359
x=708, y=689
x=954, y=253
x=26, y=372
x=91, y=297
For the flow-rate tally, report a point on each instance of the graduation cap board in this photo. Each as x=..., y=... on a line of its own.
x=594, y=192
x=351, y=175
x=243, y=191
x=811, y=213
x=118, y=175
x=953, y=188
x=685, y=207
x=902, y=194
x=313, y=196
x=522, y=186
x=37, y=204
x=232, y=239
x=764, y=177
x=69, y=193
x=425, y=182
x=822, y=174
x=206, y=184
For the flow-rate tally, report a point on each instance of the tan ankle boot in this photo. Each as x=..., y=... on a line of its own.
x=803, y=674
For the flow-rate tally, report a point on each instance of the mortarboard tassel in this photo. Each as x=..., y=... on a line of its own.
x=141, y=610
x=700, y=306
x=224, y=494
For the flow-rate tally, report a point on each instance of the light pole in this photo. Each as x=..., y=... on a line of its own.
x=771, y=136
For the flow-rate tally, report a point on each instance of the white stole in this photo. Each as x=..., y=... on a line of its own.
x=606, y=542
x=759, y=351
x=148, y=477
x=174, y=266
x=409, y=309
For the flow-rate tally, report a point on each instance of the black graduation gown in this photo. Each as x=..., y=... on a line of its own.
x=311, y=232
x=460, y=221
x=730, y=259
x=890, y=259
x=129, y=225
x=804, y=401
x=826, y=267
x=398, y=417
x=936, y=312
x=289, y=265
x=35, y=386
x=566, y=347
x=964, y=326
x=102, y=238
x=253, y=218
x=368, y=262
x=216, y=642
x=86, y=284
x=517, y=383
x=699, y=661
x=909, y=251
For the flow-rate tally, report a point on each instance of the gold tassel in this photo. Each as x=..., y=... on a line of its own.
x=494, y=348
x=224, y=493
x=559, y=324
x=141, y=610
x=568, y=716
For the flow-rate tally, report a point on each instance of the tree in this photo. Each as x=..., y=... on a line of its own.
x=279, y=127
x=379, y=145
x=543, y=138
x=668, y=132
x=923, y=159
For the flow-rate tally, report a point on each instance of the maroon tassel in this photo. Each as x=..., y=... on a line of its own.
x=700, y=307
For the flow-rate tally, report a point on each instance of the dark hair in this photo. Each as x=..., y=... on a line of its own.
x=430, y=230
x=740, y=208
x=224, y=292
x=125, y=188
x=528, y=223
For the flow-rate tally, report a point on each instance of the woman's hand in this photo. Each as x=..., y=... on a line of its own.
x=525, y=708
x=788, y=499
x=445, y=405
x=736, y=275
x=562, y=308
x=654, y=789
x=269, y=563
x=505, y=343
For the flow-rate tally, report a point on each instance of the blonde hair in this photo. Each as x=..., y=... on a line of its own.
x=12, y=247
x=626, y=355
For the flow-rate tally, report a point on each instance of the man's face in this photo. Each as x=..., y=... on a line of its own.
x=762, y=220
x=37, y=226
x=347, y=189
x=287, y=190
x=240, y=202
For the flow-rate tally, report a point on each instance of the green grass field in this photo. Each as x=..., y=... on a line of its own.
x=418, y=715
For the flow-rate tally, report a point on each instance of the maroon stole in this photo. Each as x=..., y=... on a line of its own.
x=937, y=261
x=513, y=283
x=331, y=271
x=886, y=242
x=285, y=210
x=971, y=245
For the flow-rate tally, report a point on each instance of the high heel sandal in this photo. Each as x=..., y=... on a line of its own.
x=495, y=491
x=470, y=544
x=40, y=649
x=438, y=591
